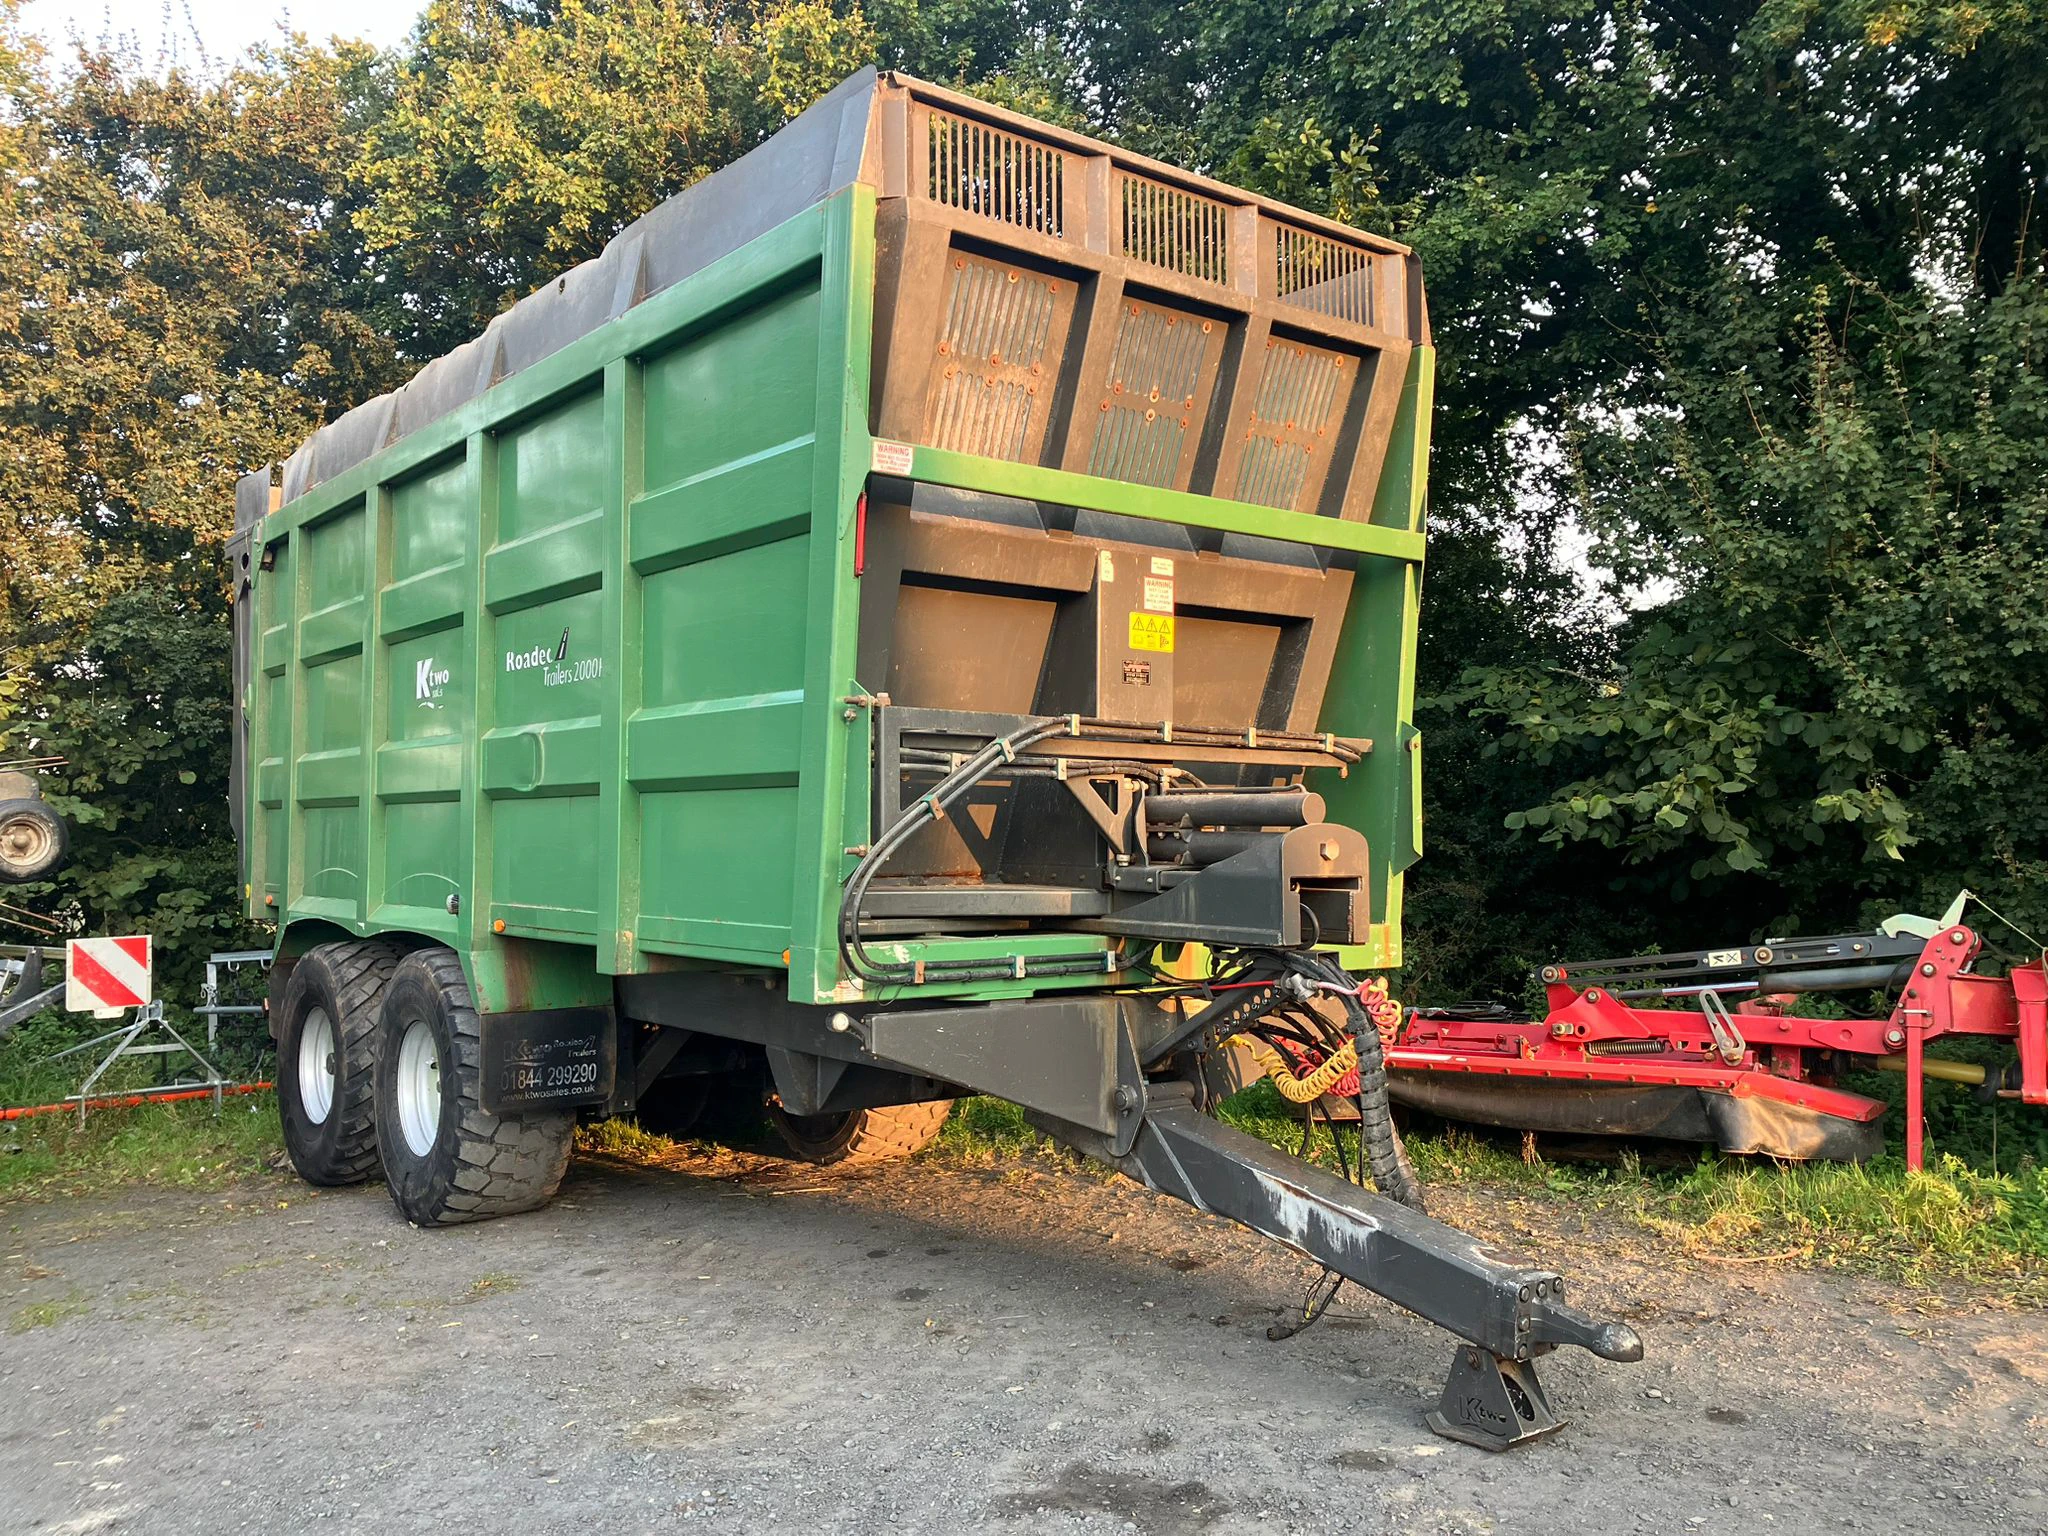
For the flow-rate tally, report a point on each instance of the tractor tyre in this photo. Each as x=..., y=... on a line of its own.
x=447, y=1159
x=326, y=1057
x=861, y=1136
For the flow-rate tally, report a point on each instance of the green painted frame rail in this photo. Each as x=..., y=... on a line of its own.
x=1034, y=482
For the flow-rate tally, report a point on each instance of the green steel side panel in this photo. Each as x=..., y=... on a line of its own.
x=718, y=543
x=421, y=698
x=324, y=872
x=835, y=747
x=456, y=734
x=269, y=703
x=1372, y=680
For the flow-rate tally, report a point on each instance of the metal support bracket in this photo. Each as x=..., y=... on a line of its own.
x=1070, y=1058
x=211, y=1008
x=1112, y=820
x=126, y=1042
x=1728, y=1041
x=1493, y=1403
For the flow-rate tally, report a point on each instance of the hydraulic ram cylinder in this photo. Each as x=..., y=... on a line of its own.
x=1292, y=807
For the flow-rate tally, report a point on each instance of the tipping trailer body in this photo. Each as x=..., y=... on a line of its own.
x=563, y=628
x=855, y=622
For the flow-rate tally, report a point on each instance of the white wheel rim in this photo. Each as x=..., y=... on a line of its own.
x=419, y=1089
x=25, y=841
x=316, y=1066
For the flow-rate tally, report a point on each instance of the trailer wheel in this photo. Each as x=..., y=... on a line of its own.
x=862, y=1135
x=447, y=1160
x=326, y=1044
x=33, y=839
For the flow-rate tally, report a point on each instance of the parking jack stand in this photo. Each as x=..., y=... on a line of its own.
x=1493, y=1403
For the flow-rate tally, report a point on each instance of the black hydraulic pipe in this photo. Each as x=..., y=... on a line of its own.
x=1292, y=806
x=1200, y=849
x=1837, y=978
x=1879, y=975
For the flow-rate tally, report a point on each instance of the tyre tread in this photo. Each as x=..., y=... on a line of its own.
x=884, y=1135
x=503, y=1164
x=358, y=970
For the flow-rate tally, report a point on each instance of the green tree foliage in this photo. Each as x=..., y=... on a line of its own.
x=202, y=269
x=1849, y=691
x=1748, y=293
x=512, y=151
x=179, y=303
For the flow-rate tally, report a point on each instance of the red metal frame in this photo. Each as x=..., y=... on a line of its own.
x=1592, y=1036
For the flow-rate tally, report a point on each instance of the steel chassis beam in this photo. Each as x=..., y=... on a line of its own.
x=1509, y=1313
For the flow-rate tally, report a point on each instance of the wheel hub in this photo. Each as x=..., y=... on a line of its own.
x=24, y=840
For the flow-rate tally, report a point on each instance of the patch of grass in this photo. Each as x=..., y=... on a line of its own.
x=986, y=1130
x=620, y=1137
x=1949, y=1221
x=47, y=1314
x=187, y=1144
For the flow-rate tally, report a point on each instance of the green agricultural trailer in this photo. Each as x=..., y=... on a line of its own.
x=930, y=609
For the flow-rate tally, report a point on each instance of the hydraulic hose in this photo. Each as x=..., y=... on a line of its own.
x=927, y=809
x=1392, y=1173
x=1000, y=753
x=1301, y=1090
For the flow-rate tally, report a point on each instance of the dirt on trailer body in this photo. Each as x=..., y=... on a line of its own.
x=727, y=1342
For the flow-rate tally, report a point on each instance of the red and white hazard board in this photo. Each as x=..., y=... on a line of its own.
x=103, y=976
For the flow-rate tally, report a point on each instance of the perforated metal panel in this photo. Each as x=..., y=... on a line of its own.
x=1003, y=330
x=1168, y=227
x=1314, y=272
x=1001, y=176
x=1159, y=381
x=1295, y=416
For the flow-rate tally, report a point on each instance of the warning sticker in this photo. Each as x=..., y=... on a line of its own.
x=1152, y=632
x=1161, y=566
x=1105, y=566
x=891, y=458
x=1159, y=594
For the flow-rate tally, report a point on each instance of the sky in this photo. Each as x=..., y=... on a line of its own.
x=166, y=29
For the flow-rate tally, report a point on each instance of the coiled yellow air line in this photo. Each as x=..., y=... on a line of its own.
x=1386, y=1017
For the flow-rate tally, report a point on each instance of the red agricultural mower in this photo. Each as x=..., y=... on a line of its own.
x=1704, y=1046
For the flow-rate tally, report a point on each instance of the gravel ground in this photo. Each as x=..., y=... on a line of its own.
x=725, y=1342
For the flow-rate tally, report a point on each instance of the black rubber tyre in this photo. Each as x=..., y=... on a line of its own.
x=445, y=1159
x=332, y=1142
x=33, y=840
x=861, y=1135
